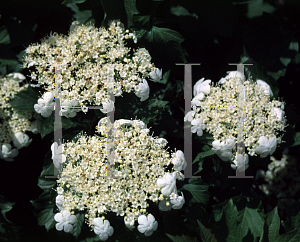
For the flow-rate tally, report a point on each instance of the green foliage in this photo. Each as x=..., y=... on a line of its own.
x=131, y=107
x=73, y=1
x=166, y=40
x=83, y=16
x=271, y=228
x=24, y=101
x=8, y=230
x=205, y=234
x=182, y=238
x=77, y=226
x=199, y=191
x=131, y=10
x=47, y=124
x=4, y=36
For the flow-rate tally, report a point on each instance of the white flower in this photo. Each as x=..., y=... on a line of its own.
x=18, y=76
x=178, y=202
x=266, y=146
x=7, y=153
x=57, y=154
x=124, y=121
x=202, y=86
x=35, y=126
x=32, y=63
x=164, y=205
x=108, y=106
x=240, y=166
x=133, y=36
x=103, y=228
x=65, y=221
x=139, y=123
x=74, y=25
x=278, y=112
x=45, y=105
x=59, y=201
x=196, y=100
x=232, y=74
x=265, y=86
x=223, y=149
x=147, y=224
x=60, y=190
x=21, y=140
x=163, y=142
x=142, y=90
x=129, y=222
x=101, y=209
x=179, y=161
x=67, y=109
x=198, y=126
x=167, y=183
x=189, y=116
x=156, y=75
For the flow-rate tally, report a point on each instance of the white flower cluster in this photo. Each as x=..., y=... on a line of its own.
x=94, y=62
x=281, y=179
x=140, y=161
x=215, y=109
x=282, y=176
x=14, y=125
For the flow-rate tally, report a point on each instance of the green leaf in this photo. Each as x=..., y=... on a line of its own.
x=202, y=155
x=297, y=139
x=8, y=230
x=181, y=11
x=4, y=36
x=131, y=10
x=205, y=233
x=182, y=238
x=257, y=7
x=47, y=124
x=271, y=227
x=199, y=191
x=78, y=225
x=81, y=16
x=24, y=101
x=72, y=1
x=168, y=40
x=5, y=207
x=271, y=230
x=44, y=207
x=46, y=183
x=251, y=220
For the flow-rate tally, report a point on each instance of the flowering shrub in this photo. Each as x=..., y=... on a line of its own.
x=215, y=110
x=140, y=164
x=13, y=124
x=94, y=62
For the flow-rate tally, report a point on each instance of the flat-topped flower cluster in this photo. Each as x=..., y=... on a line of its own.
x=13, y=124
x=94, y=62
x=215, y=110
x=139, y=176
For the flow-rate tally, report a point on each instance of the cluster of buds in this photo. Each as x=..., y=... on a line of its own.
x=215, y=109
x=13, y=124
x=93, y=62
x=89, y=182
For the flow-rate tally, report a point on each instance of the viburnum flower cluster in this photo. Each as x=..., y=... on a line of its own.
x=281, y=179
x=94, y=62
x=140, y=175
x=13, y=124
x=214, y=109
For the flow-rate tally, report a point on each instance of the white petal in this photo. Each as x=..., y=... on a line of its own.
x=48, y=97
x=68, y=227
x=58, y=217
x=59, y=226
